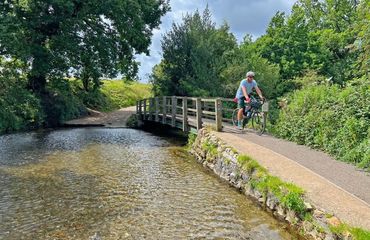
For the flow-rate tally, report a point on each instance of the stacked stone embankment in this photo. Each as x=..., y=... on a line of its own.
x=284, y=200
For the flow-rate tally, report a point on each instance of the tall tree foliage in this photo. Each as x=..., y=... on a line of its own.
x=245, y=58
x=317, y=35
x=90, y=38
x=194, y=55
x=362, y=43
x=284, y=43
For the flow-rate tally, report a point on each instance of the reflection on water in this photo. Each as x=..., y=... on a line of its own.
x=117, y=184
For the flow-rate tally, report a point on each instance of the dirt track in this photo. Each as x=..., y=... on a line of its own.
x=113, y=119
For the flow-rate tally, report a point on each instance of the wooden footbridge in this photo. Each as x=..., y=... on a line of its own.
x=187, y=113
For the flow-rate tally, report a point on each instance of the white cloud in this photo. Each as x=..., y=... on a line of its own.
x=243, y=16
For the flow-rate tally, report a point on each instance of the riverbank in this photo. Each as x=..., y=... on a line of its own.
x=314, y=211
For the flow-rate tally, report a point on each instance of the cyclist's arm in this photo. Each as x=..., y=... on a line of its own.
x=259, y=92
x=244, y=89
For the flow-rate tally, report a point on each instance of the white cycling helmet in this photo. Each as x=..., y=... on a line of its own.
x=250, y=74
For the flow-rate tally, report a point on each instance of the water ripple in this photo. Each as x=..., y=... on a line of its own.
x=117, y=184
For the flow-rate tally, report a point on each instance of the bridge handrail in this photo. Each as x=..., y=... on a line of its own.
x=177, y=109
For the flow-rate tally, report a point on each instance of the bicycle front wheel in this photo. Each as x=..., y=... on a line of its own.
x=234, y=117
x=259, y=122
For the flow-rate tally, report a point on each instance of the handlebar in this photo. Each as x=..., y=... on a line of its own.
x=254, y=99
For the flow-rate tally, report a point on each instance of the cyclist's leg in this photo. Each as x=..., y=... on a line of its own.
x=241, y=106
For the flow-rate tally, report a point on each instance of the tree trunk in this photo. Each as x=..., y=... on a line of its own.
x=40, y=68
x=37, y=83
x=85, y=83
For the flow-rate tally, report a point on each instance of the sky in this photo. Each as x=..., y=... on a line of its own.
x=243, y=16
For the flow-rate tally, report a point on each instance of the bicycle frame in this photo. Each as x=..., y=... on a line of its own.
x=252, y=112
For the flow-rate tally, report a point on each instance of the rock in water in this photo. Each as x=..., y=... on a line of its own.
x=95, y=237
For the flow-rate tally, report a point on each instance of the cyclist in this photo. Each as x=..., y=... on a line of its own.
x=245, y=88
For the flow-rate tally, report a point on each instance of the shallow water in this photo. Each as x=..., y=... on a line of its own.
x=117, y=184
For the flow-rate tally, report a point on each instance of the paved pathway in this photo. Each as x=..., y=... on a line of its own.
x=337, y=187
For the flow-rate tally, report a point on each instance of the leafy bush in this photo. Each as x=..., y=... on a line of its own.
x=191, y=139
x=132, y=121
x=210, y=147
x=19, y=108
x=60, y=103
x=330, y=118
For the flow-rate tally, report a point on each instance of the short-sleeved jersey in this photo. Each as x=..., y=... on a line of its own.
x=248, y=86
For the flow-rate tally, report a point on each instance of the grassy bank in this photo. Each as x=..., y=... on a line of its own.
x=112, y=94
x=122, y=94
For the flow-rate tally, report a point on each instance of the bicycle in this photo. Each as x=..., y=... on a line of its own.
x=253, y=111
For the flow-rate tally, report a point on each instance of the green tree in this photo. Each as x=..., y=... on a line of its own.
x=195, y=53
x=362, y=42
x=317, y=35
x=246, y=58
x=87, y=39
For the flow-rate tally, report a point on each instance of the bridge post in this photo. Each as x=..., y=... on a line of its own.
x=144, y=109
x=185, y=114
x=218, y=111
x=174, y=108
x=199, y=113
x=150, y=109
x=164, y=109
x=140, y=110
x=156, y=109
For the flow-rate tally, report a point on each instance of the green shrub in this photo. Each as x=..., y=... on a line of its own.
x=288, y=194
x=210, y=147
x=360, y=234
x=294, y=201
x=191, y=139
x=60, y=103
x=330, y=118
x=19, y=108
x=251, y=166
x=357, y=233
x=132, y=121
x=244, y=159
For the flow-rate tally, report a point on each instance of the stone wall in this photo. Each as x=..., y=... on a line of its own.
x=223, y=160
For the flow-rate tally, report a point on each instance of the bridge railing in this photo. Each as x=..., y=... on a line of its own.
x=186, y=112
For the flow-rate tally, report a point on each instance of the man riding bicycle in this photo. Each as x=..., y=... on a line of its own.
x=245, y=89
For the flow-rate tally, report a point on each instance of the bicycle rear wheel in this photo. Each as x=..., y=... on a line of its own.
x=259, y=122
